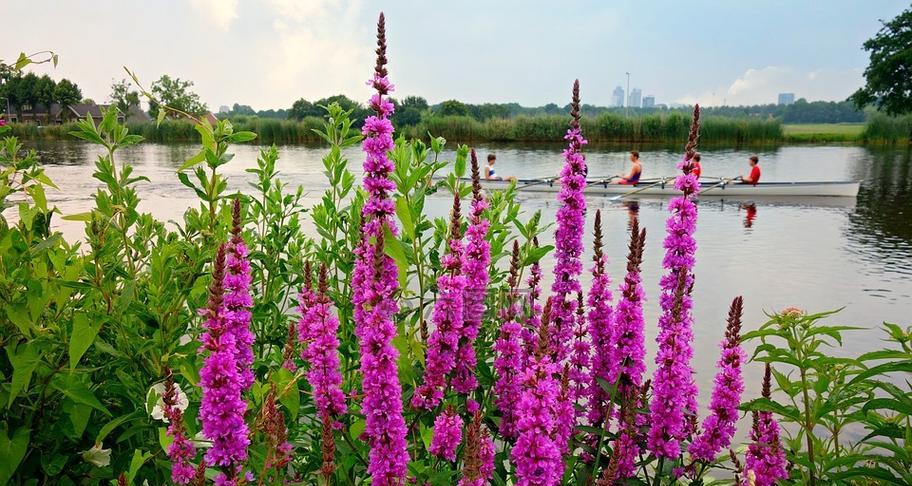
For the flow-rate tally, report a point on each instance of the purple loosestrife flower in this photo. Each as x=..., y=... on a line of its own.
x=536, y=455
x=475, y=263
x=374, y=285
x=579, y=374
x=600, y=323
x=222, y=408
x=533, y=321
x=322, y=353
x=623, y=457
x=674, y=402
x=181, y=450
x=440, y=359
x=447, y=435
x=627, y=356
x=565, y=413
x=237, y=297
x=508, y=356
x=568, y=238
x=628, y=347
x=719, y=427
x=478, y=456
x=765, y=459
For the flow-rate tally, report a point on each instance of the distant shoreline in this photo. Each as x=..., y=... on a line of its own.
x=545, y=129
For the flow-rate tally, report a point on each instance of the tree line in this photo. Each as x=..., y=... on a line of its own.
x=412, y=110
x=29, y=90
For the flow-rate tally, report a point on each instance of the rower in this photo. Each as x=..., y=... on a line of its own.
x=696, y=169
x=636, y=170
x=754, y=176
x=491, y=175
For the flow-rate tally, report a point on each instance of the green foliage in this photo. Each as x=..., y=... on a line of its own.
x=882, y=128
x=123, y=96
x=821, y=398
x=67, y=93
x=887, y=81
x=176, y=94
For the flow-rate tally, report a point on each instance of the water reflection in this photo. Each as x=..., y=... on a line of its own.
x=883, y=217
x=750, y=214
x=633, y=211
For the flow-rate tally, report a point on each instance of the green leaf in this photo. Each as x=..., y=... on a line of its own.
x=139, y=458
x=75, y=390
x=12, y=450
x=19, y=315
x=393, y=248
x=289, y=395
x=113, y=424
x=192, y=161
x=240, y=137
x=79, y=417
x=405, y=216
x=78, y=217
x=84, y=332
x=24, y=360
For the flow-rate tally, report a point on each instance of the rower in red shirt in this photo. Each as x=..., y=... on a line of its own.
x=754, y=176
x=696, y=168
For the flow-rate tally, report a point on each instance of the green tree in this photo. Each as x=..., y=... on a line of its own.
x=238, y=109
x=452, y=108
x=122, y=97
x=25, y=93
x=67, y=94
x=44, y=94
x=175, y=93
x=888, y=77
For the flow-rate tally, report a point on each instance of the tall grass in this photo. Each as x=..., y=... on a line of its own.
x=606, y=127
x=885, y=129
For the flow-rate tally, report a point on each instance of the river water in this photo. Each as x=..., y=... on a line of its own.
x=816, y=255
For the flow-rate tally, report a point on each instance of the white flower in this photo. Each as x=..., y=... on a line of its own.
x=97, y=456
x=158, y=410
x=183, y=340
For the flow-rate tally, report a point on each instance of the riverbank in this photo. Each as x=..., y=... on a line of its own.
x=604, y=128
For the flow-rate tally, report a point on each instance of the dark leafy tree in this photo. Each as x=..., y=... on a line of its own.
x=452, y=108
x=123, y=97
x=176, y=93
x=67, y=94
x=238, y=109
x=888, y=77
x=45, y=94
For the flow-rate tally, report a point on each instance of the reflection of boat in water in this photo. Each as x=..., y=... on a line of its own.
x=665, y=188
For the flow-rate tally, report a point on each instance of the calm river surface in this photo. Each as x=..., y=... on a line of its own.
x=852, y=253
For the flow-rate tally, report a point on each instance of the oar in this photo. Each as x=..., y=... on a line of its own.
x=540, y=181
x=621, y=196
x=719, y=184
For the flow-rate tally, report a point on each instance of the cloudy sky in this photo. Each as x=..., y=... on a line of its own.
x=268, y=53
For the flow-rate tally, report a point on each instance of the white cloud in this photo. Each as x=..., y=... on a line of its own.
x=220, y=12
x=320, y=48
x=762, y=85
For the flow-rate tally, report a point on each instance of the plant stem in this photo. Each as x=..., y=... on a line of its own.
x=808, y=428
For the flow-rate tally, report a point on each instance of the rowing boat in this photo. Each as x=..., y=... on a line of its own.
x=666, y=188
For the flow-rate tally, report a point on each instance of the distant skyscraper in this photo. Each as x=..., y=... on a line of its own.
x=649, y=101
x=618, y=97
x=786, y=98
x=635, y=97
x=224, y=109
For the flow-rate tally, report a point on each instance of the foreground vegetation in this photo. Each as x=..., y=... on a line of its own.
x=389, y=347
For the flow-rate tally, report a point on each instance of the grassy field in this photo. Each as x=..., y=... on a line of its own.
x=823, y=132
